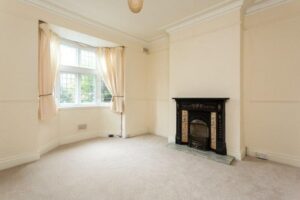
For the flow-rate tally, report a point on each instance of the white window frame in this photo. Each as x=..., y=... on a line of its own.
x=80, y=71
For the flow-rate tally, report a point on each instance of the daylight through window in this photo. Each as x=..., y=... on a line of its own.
x=78, y=82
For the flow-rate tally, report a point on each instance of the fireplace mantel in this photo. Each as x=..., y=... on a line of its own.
x=200, y=99
x=208, y=114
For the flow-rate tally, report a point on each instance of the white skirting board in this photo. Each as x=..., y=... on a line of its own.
x=14, y=161
x=78, y=137
x=243, y=153
x=48, y=147
x=276, y=157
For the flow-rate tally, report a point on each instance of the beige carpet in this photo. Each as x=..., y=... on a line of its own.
x=144, y=168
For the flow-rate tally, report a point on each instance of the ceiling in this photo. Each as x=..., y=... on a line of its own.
x=152, y=22
x=147, y=25
x=81, y=37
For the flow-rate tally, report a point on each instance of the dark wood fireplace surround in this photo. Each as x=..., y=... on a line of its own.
x=201, y=123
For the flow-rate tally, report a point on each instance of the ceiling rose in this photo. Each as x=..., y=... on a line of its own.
x=135, y=5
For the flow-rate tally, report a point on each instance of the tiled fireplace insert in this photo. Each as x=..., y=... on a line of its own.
x=201, y=123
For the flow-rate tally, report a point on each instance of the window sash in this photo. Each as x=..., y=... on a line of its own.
x=79, y=48
x=78, y=71
x=79, y=90
x=78, y=100
x=59, y=90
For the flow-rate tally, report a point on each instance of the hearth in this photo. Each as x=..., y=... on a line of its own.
x=201, y=123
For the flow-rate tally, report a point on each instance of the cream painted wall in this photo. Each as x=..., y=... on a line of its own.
x=268, y=48
x=210, y=50
x=136, y=105
x=22, y=136
x=205, y=62
x=271, y=83
x=63, y=129
x=158, y=87
x=18, y=88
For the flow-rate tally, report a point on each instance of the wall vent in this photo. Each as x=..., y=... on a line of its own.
x=261, y=156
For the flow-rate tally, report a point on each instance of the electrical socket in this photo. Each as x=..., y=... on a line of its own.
x=82, y=126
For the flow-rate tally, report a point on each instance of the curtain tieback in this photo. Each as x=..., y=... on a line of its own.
x=45, y=95
x=118, y=96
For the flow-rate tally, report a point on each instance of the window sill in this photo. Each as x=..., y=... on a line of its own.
x=84, y=107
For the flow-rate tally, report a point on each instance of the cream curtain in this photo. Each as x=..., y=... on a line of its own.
x=111, y=68
x=47, y=71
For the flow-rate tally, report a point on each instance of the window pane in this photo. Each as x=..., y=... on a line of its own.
x=68, y=86
x=87, y=59
x=105, y=94
x=87, y=88
x=68, y=55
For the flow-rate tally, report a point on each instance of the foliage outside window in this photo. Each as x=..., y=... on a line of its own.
x=78, y=82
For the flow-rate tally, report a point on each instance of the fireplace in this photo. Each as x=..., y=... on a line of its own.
x=201, y=123
x=199, y=135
